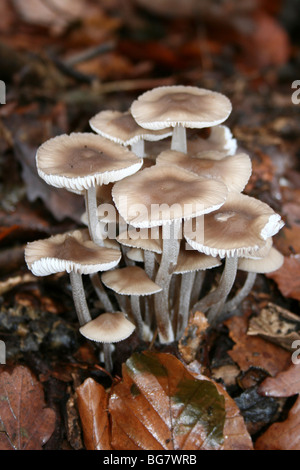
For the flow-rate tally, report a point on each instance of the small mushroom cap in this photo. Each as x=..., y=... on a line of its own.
x=131, y=280
x=135, y=254
x=233, y=170
x=108, y=328
x=81, y=160
x=269, y=263
x=240, y=227
x=164, y=193
x=123, y=129
x=146, y=239
x=220, y=140
x=192, y=260
x=72, y=251
x=189, y=106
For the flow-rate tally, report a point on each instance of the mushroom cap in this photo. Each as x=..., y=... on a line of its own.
x=81, y=160
x=131, y=280
x=240, y=227
x=108, y=328
x=189, y=106
x=72, y=251
x=233, y=170
x=122, y=128
x=135, y=254
x=164, y=193
x=145, y=239
x=192, y=260
x=269, y=263
x=220, y=140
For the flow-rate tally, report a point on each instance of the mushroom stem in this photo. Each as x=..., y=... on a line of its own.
x=91, y=208
x=78, y=293
x=139, y=148
x=184, y=301
x=197, y=287
x=136, y=312
x=223, y=289
x=107, y=350
x=242, y=294
x=179, y=139
x=149, y=263
x=171, y=245
x=101, y=292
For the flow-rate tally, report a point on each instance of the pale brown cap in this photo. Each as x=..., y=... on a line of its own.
x=192, y=260
x=240, y=227
x=233, y=170
x=220, y=140
x=72, y=251
x=149, y=239
x=269, y=263
x=165, y=193
x=189, y=106
x=108, y=328
x=131, y=280
x=81, y=160
x=120, y=127
x=135, y=254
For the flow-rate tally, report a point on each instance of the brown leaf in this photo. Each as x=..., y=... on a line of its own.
x=276, y=324
x=92, y=401
x=192, y=336
x=251, y=351
x=283, y=435
x=25, y=422
x=287, y=277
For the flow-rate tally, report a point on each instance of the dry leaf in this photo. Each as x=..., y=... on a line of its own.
x=276, y=324
x=251, y=351
x=92, y=401
x=287, y=277
x=283, y=435
x=193, y=335
x=25, y=423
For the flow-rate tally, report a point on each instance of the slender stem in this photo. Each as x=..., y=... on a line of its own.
x=107, y=351
x=139, y=148
x=91, y=208
x=80, y=303
x=187, y=280
x=242, y=294
x=123, y=302
x=197, y=287
x=101, y=292
x=223, y=289
x=179, y=139
x=136, y=312
x=171, y=245
x=149, y=260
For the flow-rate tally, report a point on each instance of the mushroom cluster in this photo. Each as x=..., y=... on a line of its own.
x=163, y=185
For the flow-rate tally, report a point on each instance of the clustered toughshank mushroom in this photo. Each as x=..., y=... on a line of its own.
x=177, y=212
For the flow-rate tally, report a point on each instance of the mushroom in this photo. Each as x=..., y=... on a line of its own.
x=272, y=261
x=233, y=170
x=220, y=140
x=74, y=253
x=240, y=228
x=81, y=161
x=108, y=328
x=164, y=195
x=131, y=281
x=122, y=128
x=180, y=107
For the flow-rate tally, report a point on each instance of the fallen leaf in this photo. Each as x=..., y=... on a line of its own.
x=283, y=435
x=25, y=422
x=92, y=401
x=252, y=351
x=193, y=335
x=287, y=277
x=276, y=324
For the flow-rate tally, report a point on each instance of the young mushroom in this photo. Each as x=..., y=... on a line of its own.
x=220, y=140
x=180, y=107
x=131, y=281
x=108, y=328
x=164, y=196
x=74, y=253
x=80, y=162
x=240, y=228
x=122, y=128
